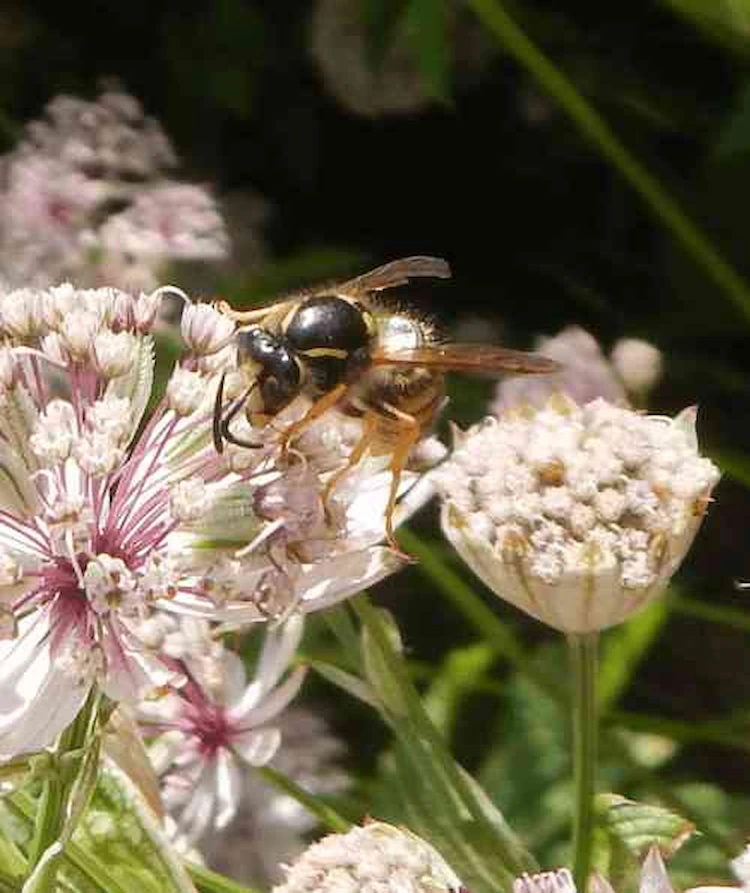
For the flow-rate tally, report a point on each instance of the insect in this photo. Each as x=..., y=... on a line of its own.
x=343, y=347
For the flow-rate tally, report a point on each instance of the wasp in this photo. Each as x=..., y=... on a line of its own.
x=343, y=347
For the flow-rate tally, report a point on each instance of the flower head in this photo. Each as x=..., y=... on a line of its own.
x=579, y=515
x=210, y=721
x=268, y=830
x=105, y=519
x=376, y=858
x=86, y=196
x=653, y=879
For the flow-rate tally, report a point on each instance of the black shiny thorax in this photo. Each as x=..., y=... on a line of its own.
x=333, y=336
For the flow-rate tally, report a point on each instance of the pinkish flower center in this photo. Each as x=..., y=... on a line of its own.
x=211, y=727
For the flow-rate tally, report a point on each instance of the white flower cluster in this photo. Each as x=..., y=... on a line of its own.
x=577, y=514
x=106, y=518
x=88, y=195
x=376, y=858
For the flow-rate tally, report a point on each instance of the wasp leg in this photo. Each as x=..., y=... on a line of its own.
x=243, y=316
x=360, y=448
x=322, y=405
x=409, y=430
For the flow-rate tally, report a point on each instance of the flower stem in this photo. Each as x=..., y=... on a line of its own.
x=583, y=648
x=54, y=806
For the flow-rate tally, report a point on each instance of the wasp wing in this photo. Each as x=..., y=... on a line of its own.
x=397, y=272
x=481, y=359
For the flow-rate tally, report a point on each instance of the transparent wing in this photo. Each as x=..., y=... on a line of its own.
x=397, y=272
x=481, y=359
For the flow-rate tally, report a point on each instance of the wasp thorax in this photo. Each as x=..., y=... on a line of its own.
x=273, y=364
x=332, y=335
x=400, y=332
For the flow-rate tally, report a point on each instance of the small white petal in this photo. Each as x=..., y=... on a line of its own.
x=250, y=713
x=259, y=746
x=228, y=788
x=654, y=877
x=39, y=699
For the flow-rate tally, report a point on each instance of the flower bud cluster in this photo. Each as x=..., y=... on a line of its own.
x=88, y=195
x=577, y=514
x=376, y=858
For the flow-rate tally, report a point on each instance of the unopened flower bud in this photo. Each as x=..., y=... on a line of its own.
x=204, y=329
x=188, y=499
x=114, y=352
x=185, y=391
x=638, y=363
x=77, y=332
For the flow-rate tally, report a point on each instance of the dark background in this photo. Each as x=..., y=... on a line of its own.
x=489, y=173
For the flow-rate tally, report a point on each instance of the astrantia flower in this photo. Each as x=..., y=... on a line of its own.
x=98, y=528
x=376, y=858
x=268, y=830
x=654, y=879
x=585, y=373
x=85, y=196
x=210, y=721
x=169, y=222
x=577, y=515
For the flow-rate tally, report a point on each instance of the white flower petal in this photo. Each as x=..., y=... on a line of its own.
x=228, y=788
x=196, y=816
x=654, y=877
x=38, y=699
x=279, y=647
x=250, y=713
x=259, y=746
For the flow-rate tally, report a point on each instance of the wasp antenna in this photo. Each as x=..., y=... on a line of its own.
x=218, y=406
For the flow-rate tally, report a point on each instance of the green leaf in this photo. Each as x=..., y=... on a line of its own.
x=426, y=23
x=455, y=799
x=208, y=881
x=462, y=670
x=639, y=826
x=734, y=138
x=121, y=833
x=326, y=815
x=349, y=683
x=377, y=665
x=727, y=22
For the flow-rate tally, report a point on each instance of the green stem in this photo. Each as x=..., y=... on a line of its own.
x=658, y=200
x=583, y=649
x=53, y=811
x=208, y=881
